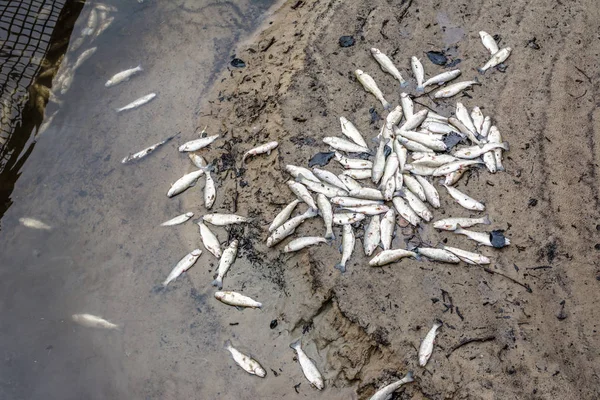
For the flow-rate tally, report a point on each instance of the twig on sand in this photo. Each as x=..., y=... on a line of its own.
x=470, y=340
x=524, y=285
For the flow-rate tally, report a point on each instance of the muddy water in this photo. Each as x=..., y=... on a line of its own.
x=105, y=254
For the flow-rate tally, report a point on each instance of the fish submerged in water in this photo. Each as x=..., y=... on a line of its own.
x=185, y=182
x=237, y=300
x=180, y=219
x=308, y=367
x=34, y=223
x=386, y=392
x=145, y=152
x=92, y=321
x=197, y=144
x=370, y=86
x=426, y=347
x=247, y=363
x=137, y=103
x=183, y=265
x=123, y=76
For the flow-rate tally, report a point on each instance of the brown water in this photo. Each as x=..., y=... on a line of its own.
x=105, y=253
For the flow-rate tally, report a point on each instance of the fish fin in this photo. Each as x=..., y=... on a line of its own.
x=459, y=230
x=268, y=152
x=218, y=283
x=486, y=220
x=296, y=344
x=341, y=267
x=259, y=306
x=329, y=235
x=139, y=67
x=409, y=377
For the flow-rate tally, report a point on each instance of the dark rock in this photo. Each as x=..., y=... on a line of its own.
x=273, y=324
x=321, y=159
x=437, y=57
x=497, y=238
x=238, y=63
x=346, y=41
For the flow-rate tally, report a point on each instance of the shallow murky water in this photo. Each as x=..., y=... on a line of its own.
x=105, y=253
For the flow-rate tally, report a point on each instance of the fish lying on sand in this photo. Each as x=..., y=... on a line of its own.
x=249, y=364
x=308, y=367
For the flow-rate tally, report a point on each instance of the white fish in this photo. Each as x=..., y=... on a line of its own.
x=210, y=192
x=225, y=262
x=410, y=144
x=379, y=162
x=93, y=321
x=247, y=363
x=438, y=255
x=308, y=367
x=347, y=218
x=468, y=257
x=419, y=169
x=390, y=256
x=453, y=177
x=197, y=160
x=464, y=130
x=92, y=23
x=367, y=193
x=137, y=103
x=464, y=200
x=348, y=241
x=353, y=202
x=391, y=166
x=327, y=214
x=236, y=299
x=414, y=120
x=369, y=209
x=418, y=206
x=437, y=127
x=283, y=215
x=371, y=87
x=402, y=154
x=34, y=224
x=263, y=148
x=83, y=57
x=185, y=182
x=386, y=392
x=388, y=223
x=488, y=42
x=289, y=227
x=480, y=237
x=321, y=187
x=372, y=235
x=426, y=347
x=296, y=171
x=350, y=183
x=388, y=66
x=405, y=211
x=145, y=152
x=418, y=71
x=431, y=194
x=390, y=187
x=408, y=107
x=486, y=126
x=499, y=57
x=424, y=139
x=455, y=166
x=350, y=131
x=495, y=137
x=219, y=219
x=399, y=178
x=478, y=118
x=450, y=224
x=454, y=89
x=330, y=178
x=180, y=219
x=353, y=163
x=302, y=193
x=462, y=114
x=183, y=265
x=472, y=152
x=210, y=240
x=432, y=159
x=442, y=78
x=104, y=26
x=414, y=186
x=345, y=145
x=302, y=242
x=490, y=162
x=197, y=144
x=394, y=116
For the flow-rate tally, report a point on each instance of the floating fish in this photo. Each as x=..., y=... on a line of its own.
x=390, y=256
x=92, y=321
x=137, y=103
x=34, y=223
x=180, y=219
x=145, y=152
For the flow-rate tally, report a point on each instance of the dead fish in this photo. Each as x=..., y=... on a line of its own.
x=379, y=162
x=495, y=137
x=442, y=78
x=490, y=162
x=347, y=218
x=219, y=219
x=321, y=187
x=91, y=24
x=455, y=166
x=488, y=42
x=302, y=242
x=372, y=235
x=453, y=177
x=178, y=220
x=432, y=159
x=359, y=174
x=390, y=256
x=499, y=57
x=198, y=160
x=289, y=227
x=284, y=215
x=225, y=263
x=296, y=171
x=408, y=107
x=367, y=193
x=405, y=211
x=369, y=209
x=472, y=152
x=145, y=152
x=424, y=139
x=309, y=369
x=353, y=163
x=83, y=57
x=370, y=86
x=350, y=131
x=183, y=265
x=464, y=200
x=353, y=202
x=410, y=144
x=418, y=72
x=402, y=154
x=438, y=255
x=468, y=257
x=426, y=347
x=414, y=120
x=418, y=206
x=345, y=145
x=185, y=182
x=450, y=224
x=302, y=193
x=330, y=178
x=137, y=103
x=462, y=114
x=348, y=241
x=34, y=224
x=197, y=144
x=464, y=130
x=431, y=194
x=327, y=214
x=477, y=118
x=210, y=240
x=247, y=363
x=350, y=183
x=454, y=89
x=236, y=299
x=388, y=223
x=391, y=166
x=480, y=237
x=210, y=191
x=419, y=170
x=321, y=159
x=435, y=126
x=388, y=66
x=264, y=148
x=414, y=186
x=485, y=128
x=93, y=321
x=386, y=392
x=394, y=116
x=103, y=26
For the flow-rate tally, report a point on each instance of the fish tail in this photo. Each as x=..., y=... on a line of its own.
x=404, y=84
x=486, y=220
x=218, y=282
x=420, y=88
x=481, y=71
x=295, y=344
x=500, y=167
x=259, y=305
x=409, y=377
x=387, y=106
x=166, y=282
x=227, y=344
x=505, y=146
x=329, y=234
x=139, y=67
x=341, y=267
